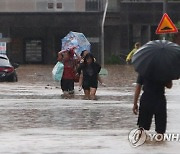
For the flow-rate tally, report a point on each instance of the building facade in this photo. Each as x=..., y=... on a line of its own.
x=135, y=21
x=34, y=28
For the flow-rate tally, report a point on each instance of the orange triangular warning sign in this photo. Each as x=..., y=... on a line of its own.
x=166, y=25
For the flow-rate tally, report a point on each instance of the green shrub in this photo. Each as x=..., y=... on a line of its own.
x=115, y=59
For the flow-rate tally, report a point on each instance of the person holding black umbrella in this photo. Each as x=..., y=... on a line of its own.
x=152, y=102
x=157, y=63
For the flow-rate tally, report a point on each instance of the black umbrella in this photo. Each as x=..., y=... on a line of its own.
x=158, y=60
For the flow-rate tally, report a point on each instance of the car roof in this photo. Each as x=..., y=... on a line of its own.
x=3, y=56
x=4, y=61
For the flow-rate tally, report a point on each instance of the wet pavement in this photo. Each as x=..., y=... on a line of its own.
x=35, y=119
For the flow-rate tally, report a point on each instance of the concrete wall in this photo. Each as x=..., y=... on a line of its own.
x=42, y=6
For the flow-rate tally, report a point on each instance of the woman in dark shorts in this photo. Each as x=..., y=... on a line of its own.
x=152, y=102
x=90, y=70
x=83, y=54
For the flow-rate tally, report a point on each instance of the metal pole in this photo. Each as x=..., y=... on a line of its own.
x=165, y=11
x=165, y=6
x=102, y=33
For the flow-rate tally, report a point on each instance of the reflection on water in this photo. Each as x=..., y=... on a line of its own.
x=34, y=117
x=35, y=82
x=98, y=117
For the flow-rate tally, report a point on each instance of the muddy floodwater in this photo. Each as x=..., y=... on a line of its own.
x=36, y=120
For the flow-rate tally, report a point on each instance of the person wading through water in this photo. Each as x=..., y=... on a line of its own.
x=152, y=102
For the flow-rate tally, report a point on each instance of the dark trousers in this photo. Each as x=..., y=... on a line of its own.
x=149, y=106
x=67, y=85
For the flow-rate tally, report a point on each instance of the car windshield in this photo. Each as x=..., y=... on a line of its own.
x=4, y=62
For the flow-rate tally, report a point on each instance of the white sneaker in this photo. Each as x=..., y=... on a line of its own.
x=103, y=84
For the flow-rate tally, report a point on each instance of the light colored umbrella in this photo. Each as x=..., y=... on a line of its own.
x=76, y=39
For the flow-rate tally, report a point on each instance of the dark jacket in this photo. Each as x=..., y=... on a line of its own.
x=90, y=72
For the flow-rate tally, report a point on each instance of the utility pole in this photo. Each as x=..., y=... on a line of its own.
x=102, y=33
x=165, y=6
x=165, y=2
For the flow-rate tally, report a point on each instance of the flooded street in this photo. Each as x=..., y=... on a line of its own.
x=35, y=119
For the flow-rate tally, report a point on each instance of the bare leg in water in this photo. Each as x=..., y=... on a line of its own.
x=93, y=93
x=87, y=94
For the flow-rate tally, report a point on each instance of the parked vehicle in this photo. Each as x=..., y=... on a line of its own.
x=7, y=70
